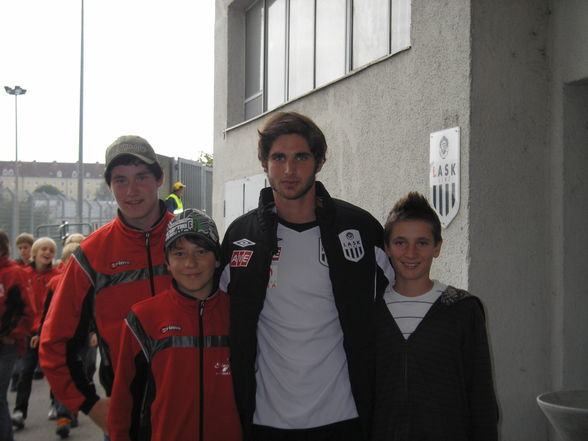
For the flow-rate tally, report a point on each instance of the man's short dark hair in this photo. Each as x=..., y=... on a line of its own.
x=413, y=206
x=131, y=160
x=289, y=123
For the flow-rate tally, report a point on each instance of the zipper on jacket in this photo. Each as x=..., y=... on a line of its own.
x=405, y=357
x=150, y=263
x=201, y=351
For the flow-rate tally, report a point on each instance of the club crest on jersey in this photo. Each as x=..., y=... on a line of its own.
x=322, y=254
x=240, y=258
x=223, y=368
x=352, y=246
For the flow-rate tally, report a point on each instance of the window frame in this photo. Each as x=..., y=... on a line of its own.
x=349, y=56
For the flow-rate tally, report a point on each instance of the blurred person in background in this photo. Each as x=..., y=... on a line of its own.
x=24, y=242
x=39, y=271
x=174, y=202
x=16, y=320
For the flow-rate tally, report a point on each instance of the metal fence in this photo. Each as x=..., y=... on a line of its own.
x=42, y=214
x=54, y=216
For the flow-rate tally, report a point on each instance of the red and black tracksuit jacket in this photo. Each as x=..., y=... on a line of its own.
x=39, y=283
x=112, y=269
x=173, y=379
x=16, y=312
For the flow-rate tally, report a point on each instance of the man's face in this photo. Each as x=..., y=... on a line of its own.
x=24, y=250
x=291, y=168
x=135, y=189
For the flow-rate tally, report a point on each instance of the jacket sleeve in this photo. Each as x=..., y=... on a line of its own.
x=19, y=315
x=170, y=204
x=126, y=392
x=483, y=406
x=64, y=335
x=51, y=290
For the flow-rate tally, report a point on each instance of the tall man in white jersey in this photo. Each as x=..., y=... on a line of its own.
x=302, y=271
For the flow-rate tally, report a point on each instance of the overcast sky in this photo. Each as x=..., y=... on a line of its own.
x=148, y=71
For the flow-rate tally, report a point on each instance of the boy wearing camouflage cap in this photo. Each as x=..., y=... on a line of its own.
x=115, y=267
x=173, y=378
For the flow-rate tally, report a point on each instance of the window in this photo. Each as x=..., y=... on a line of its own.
x=295, y=46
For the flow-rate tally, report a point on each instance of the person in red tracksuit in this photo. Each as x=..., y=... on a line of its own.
x=173, y=378
x=115, y=267
x=16, y=319
x=40, y=272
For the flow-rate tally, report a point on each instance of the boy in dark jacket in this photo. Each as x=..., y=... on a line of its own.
x=173, y=379
x=434, y=376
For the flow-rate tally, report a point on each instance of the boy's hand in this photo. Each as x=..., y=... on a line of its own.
x=99, y=413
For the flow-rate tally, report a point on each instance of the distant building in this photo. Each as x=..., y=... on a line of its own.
x=61, y=175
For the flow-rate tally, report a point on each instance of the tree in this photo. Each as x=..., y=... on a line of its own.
x=48, y=189
x=206, y=159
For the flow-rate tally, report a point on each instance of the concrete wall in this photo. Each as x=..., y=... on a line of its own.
x=377, y=120
x=509, y=204
x=569, y=195
x=513, y=76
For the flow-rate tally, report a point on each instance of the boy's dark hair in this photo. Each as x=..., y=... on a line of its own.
x=413, y=206
x=4, y=243
x=131, y=160
x=24, y=238
x=196, y=240
x=289, y=123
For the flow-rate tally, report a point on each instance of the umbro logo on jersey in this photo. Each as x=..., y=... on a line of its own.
x=352, y=245
x=119, y=263
x=169, y=328
x=243, y=243
x=241, y=258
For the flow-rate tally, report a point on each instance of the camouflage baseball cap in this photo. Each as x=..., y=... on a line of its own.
x=131, y=145
x=192, y=221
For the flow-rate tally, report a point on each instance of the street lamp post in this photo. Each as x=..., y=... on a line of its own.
x=16, y=91
x=80, y=209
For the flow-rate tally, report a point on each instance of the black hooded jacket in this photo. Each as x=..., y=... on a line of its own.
x=359, y=271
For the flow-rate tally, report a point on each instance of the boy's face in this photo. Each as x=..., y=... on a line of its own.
x=192, y=267
x=135, y=189
x=24, y=250
x=44, y=255
x=412, y=248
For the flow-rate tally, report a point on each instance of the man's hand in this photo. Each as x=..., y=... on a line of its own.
x=99, y=413
x=34, y=341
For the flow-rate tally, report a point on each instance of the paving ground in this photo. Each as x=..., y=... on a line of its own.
x=39, y=428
